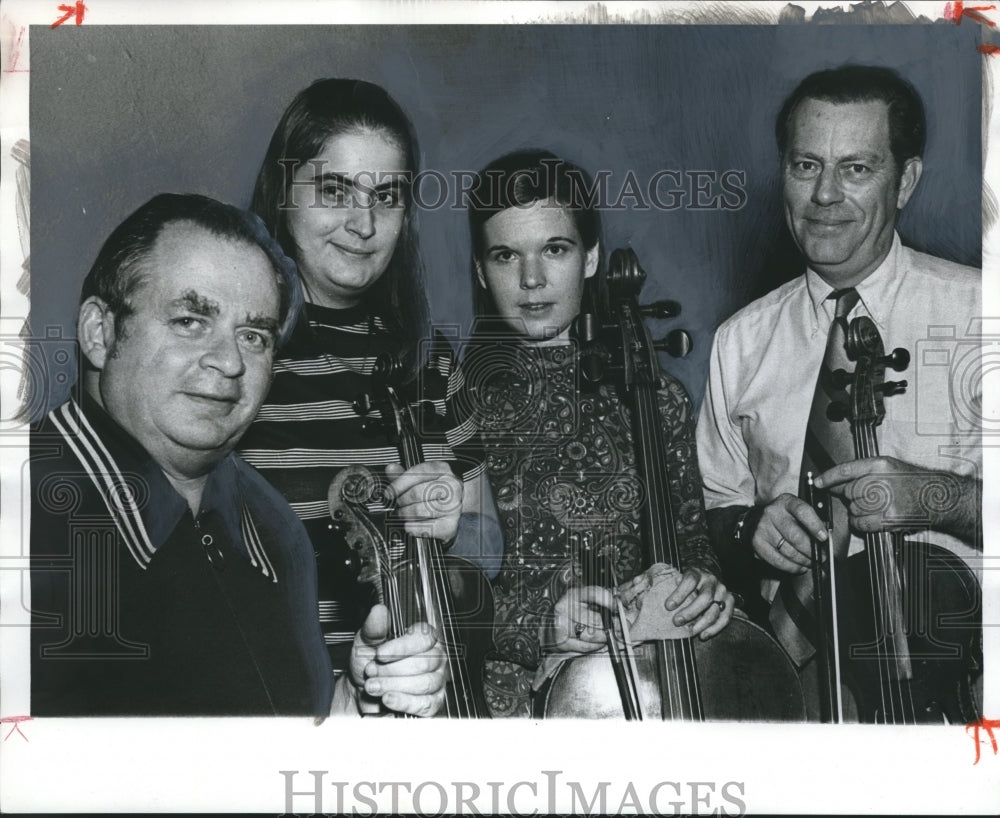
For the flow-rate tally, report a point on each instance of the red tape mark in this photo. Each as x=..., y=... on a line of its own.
x=987, y=725
x=78, y=9
x=16, y=721
x=957, y=10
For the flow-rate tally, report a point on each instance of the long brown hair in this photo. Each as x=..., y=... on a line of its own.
x=327, y=108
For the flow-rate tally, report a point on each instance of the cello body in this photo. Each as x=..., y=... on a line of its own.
x=743, y=673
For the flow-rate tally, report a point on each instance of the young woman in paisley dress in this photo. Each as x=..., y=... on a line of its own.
x=560, y=456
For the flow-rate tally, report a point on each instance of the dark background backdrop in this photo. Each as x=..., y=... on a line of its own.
x=121, y=113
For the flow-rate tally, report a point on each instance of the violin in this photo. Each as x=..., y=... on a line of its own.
x=899, y=636
x=412, y=575
x=741, y=673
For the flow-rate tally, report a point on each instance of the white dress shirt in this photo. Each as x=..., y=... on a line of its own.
x=766, y=358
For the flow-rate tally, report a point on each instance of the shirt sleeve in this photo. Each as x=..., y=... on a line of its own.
x=722, y=451
x=445, y=387
x=479, y=538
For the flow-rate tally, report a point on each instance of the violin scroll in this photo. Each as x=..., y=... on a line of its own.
x=415, y=579
x=349, y=494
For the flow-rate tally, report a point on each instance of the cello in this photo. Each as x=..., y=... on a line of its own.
x=412, y=575
x=741, y=673
x=899, y=639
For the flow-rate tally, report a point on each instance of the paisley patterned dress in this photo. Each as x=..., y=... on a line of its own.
x=561, y=462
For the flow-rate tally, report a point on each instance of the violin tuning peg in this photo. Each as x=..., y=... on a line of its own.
x=428, y=412
x=677, y=344
x=433, y=380
x=892, y=387
x=664, y=308
x=898, y=360
x=388, y=367
x=363, y=404
x=836, y=412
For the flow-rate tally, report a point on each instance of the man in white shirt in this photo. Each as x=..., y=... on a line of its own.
x=850, y=142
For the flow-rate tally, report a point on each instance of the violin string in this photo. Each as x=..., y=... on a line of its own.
x=440, y=604
x=437, y=599
x=886, y=592
x=904, y=674
x=863, y=449
x=393, y=603
x=910, y=714
x=412, y=456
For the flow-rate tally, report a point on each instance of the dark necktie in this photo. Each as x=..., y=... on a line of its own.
x=827, y=443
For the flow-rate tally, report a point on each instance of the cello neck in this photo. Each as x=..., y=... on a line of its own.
x=680, y=692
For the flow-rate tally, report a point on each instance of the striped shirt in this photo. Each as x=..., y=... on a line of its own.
x=308, y=431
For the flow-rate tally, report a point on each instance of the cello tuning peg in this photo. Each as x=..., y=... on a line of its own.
x=898, y=360
x=836, y=411
x=677, y=343
x=591, y=368
x=363, y=404
x=661, y=309
x=585, y=327
x=840, y=378
x=892, y=387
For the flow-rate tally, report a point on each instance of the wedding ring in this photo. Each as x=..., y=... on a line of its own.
x=578, y=629
x=781, y=542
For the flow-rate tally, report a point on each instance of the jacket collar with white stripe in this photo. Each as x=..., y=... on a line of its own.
x=94, y=435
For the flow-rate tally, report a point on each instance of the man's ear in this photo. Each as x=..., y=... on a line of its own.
x=908, y=180
x=590, y=264
x=95, y=330
x=479, y=273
